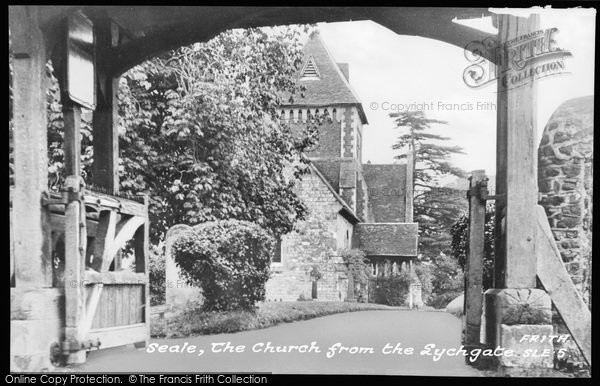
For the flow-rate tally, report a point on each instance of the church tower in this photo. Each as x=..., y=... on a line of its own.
x=350, y=204
x=338, y=154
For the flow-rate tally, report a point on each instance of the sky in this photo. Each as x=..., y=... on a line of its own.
x=388, y=70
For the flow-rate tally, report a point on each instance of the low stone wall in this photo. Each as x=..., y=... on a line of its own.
x=296, y=283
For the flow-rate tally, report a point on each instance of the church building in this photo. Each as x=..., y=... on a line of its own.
x=351, y=204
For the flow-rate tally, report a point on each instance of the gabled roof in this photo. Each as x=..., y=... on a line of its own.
x=331, y=86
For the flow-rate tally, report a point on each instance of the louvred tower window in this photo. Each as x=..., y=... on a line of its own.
x=310, y=70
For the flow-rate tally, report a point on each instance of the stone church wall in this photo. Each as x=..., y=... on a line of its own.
x=314, y=246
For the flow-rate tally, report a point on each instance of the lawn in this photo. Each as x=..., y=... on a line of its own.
x=190, y=321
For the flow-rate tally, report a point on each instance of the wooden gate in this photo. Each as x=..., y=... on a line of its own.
x=115, y=297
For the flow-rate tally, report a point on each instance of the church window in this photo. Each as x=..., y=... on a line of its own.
x=276, y=252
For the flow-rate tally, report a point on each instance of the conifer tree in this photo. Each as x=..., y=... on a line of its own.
x=436, y=208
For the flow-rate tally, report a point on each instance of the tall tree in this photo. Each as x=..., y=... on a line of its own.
x=202, y=132
x=436, y=208
x=199, y=131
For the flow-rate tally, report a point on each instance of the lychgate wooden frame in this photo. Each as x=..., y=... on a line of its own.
x=124, y=37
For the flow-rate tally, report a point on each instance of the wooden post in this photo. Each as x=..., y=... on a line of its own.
x=142, y=257
x=72, y=138
x=74, y=237
x=516, y=224
x=410, y=287
x=118, y=261
x=106, y=135
x=516, y=176
x=104, y=240
x=31, y=221
x=474, y=263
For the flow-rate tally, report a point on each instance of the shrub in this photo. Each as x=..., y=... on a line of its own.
x=359, y=269
x=391, y=290
x=447, y=281
x=229, y=260
x=157, y=276
x=302, y=298
x=440, y=301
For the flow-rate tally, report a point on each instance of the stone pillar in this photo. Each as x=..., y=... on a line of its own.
x=515, y=308
x=512, y=317
x=31, y=225
x=37, y=310
x=178, y=292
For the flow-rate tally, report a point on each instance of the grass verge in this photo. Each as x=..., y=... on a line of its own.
x=190, y=321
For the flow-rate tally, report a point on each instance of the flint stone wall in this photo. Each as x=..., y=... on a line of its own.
x=565, y=179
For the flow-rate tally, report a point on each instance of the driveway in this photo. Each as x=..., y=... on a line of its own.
x=363, y=333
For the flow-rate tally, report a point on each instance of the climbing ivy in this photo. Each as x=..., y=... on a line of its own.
x=460, y=244
x=360, y=269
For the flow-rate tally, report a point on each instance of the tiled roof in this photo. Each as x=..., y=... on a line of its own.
x=387, y=191
x=331, y=87
x=388, y=239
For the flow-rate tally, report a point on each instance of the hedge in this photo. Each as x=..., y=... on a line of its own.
x=229, y=260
